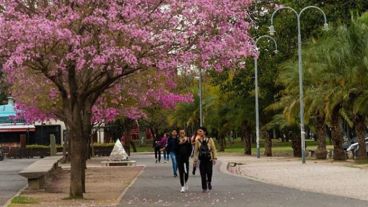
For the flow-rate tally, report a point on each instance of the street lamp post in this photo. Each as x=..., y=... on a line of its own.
x=256, y=87
x=200, y=99
x=300, y=66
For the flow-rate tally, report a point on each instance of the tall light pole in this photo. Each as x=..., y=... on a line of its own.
x=200, y=99
x=300, y=65
x=256, y=87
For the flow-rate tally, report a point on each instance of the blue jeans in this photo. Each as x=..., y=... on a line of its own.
x=173, y=161
x=166, y=156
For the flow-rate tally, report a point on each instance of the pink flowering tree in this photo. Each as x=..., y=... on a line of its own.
x=72, y=54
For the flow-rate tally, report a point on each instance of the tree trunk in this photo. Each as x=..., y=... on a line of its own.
x=222, y=144
x=221, y=138
x=337, y=138
x=133, y=146
x=253, y=139
x=92, y=147
x=296, y=143
x=321, y=152
x=283, y=139
x=79, y=121
x=87, y=155
x=268, y=144
x=84, y=153
x=285, y=134
x=86, y=118
x=76, y=171
x=248, y=145
x=69, y=156
x=360, y=130
x=66, y=146
x=307, y=132
x=89, y=148
x=128, y=140
x=247, y=139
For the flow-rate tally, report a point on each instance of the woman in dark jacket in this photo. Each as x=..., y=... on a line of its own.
x=205, y=151
x=157, y=148
x=183, y=152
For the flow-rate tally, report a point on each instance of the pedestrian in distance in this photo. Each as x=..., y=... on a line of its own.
x=163, y=144
x=157, y=148
x=193, y=141
x=205, y=152
x=172, y=145
x=122, y=141
x=183, y=152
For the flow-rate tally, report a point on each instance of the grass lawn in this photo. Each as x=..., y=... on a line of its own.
x=237, y=147
x=144, y=148
x=20, y=200
x=278, y=148
x=361, y=162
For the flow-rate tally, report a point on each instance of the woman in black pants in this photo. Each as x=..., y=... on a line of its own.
x=157, y=148
x=183, y=152
x=205, y=152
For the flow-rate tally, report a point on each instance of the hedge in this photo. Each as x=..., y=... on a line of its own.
x=42, y=151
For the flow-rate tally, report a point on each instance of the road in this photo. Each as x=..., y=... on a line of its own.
x=157, y=187
x=10, y=181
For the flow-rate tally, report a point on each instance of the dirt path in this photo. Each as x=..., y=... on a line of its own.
x=104, y=188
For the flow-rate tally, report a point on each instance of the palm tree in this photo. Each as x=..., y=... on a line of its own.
x=288, y=104
x=353, y=62
x=340, y=81
x=316, y=118
x=324, y=91
x=357, y=98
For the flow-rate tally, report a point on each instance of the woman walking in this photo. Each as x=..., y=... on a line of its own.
x=193, y=141
x=183, y=152
x=163, y=144
x=205, y=152
x=172, y=145
x=157, y=148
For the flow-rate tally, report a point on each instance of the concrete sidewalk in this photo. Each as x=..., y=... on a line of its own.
x=157, y=187
x=10, y=182
x=334, y=178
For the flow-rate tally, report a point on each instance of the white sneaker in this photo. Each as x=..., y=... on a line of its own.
x=186, y=187
x=182, y=190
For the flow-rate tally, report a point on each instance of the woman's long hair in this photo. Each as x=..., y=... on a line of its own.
x=192, y=139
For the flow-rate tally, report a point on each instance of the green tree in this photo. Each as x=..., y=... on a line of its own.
x=334, y=82
x=3, y=88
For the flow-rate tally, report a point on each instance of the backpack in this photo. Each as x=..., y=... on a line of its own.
x=204, y=151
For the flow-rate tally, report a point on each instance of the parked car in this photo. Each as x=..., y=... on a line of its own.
x=1, y=154
x=353, y=148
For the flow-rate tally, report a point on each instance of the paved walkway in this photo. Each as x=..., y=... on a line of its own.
x=335, y=178
x=10, y=181
x=156, y=187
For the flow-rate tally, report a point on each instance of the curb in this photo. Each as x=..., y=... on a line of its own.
x=129, y=186
x=224, y=169
x=142, y=153
x=17, y=194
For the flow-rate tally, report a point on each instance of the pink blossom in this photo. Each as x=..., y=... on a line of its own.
x=47, y=47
